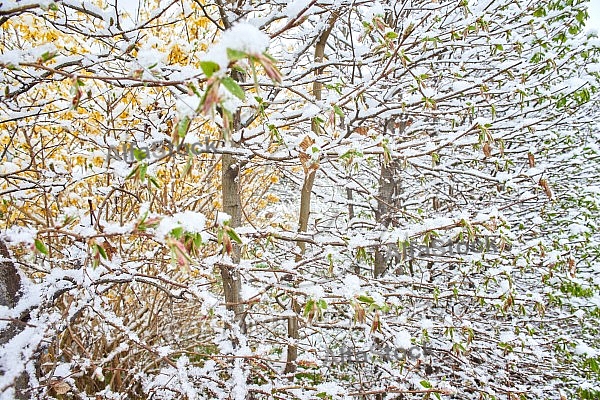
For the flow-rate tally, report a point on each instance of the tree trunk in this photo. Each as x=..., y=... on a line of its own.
x=232, y=205
x=232, y=284
x=305, y=195
x=388, y=198
x=10, y=284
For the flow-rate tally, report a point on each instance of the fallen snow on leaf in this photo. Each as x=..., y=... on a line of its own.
x=242, y=37
x=190, y=221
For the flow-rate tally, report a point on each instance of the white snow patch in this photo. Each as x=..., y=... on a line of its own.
x=351, y=286
x=190, y=221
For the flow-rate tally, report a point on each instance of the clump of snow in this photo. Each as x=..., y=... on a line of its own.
x=426, y=324
x=245, y=37
x=241, y=37
x=331, y=388
x=11, y=57
x=583, y=348
x=116, y=228
x=222, y=217
x=187, y=105
x=310, y=110
x=313, y=290
x=19, y=234
x=351, y=286
x=62, y=370
x=149, y=57
x=374, y=10
x=190, y=221
x=293, y=9
x=402, y=340
x=8, y=168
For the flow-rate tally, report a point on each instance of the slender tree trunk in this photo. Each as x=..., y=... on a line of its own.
x=232, y=284
x=388, y=200
x=10, y=284
x=305, y=196
x=388, y=185
x=232, y=205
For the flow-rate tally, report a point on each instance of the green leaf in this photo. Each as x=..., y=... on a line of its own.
x=143, y=170
x=391, y=35
x=338, y=111
x=197, y=240
x=235, y=55
x=540, y=12
x=177, y=232
x=49, y=55
x=101, y=250
x=366, y=299
x=580, y=17
x=41, y=247
x=194, y=89
x=233, y=235
x=310, y=304
x=132, y=173
x=233, y=87
x=154, y=181
x=183, y=126
x=426, y=384
x=209, y=68
x=139, y=154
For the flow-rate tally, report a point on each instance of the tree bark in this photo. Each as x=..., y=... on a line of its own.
x=305, y=196
x=388, y=200
x=232, y=205
x=10, y=282
x=10, y=285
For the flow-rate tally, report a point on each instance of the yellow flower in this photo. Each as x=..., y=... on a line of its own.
x=80, y=160
x=99, y=160
x=176, y=55
x=4, y=138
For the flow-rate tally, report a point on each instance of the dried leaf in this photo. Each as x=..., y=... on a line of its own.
x=487, y=149
x=303, y=157
x=359, y=313
x=546, y=187
x=228, y=245
x=109, y=249
x=361, y=130
x=572, y=267
x=376, y=325
x=531, y=159
x=60, y=387
x=306, y=143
